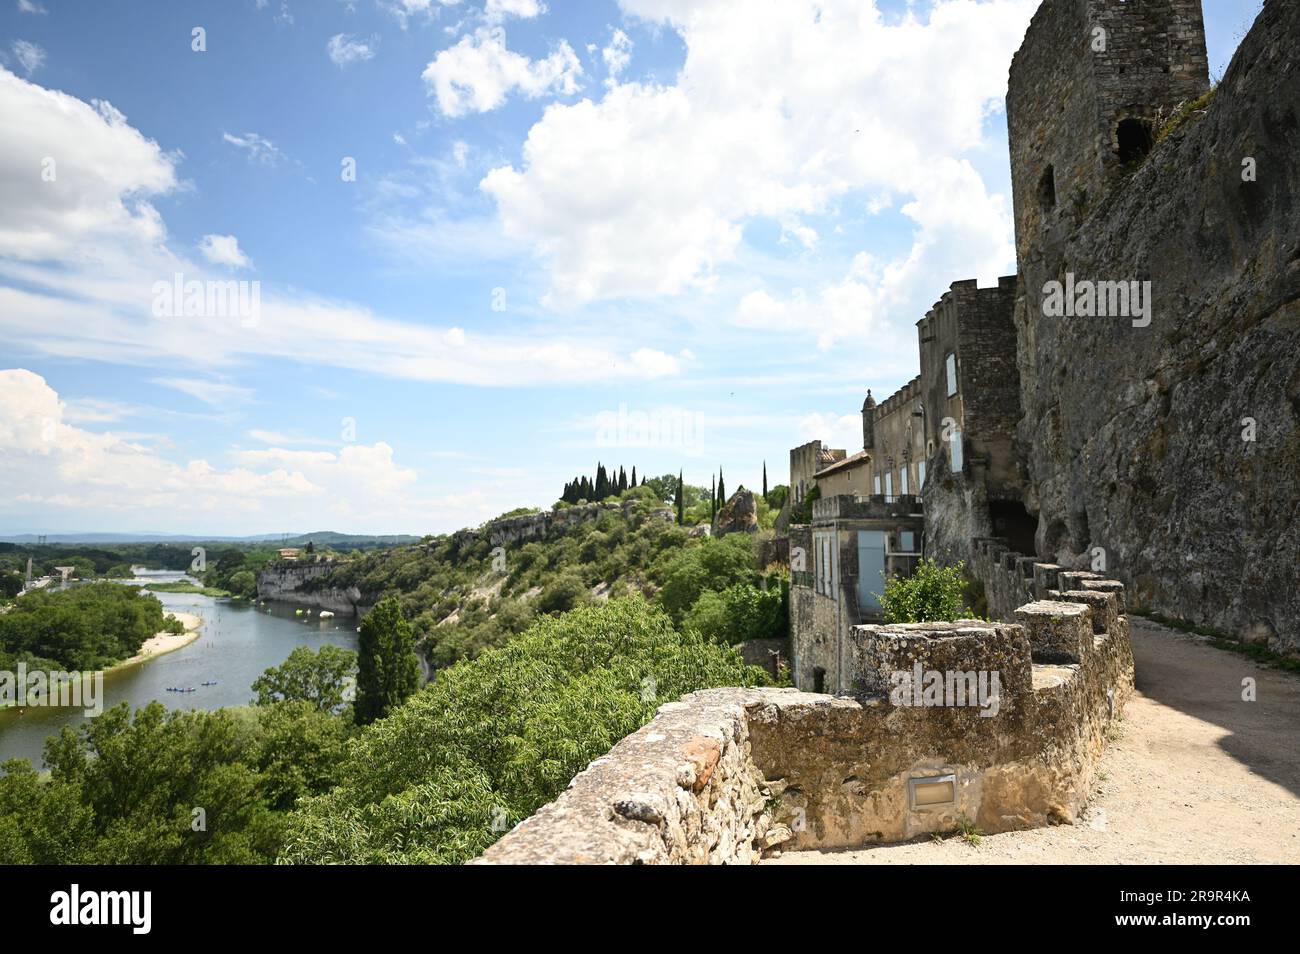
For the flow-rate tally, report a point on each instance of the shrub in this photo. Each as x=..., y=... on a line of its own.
x=932, y=594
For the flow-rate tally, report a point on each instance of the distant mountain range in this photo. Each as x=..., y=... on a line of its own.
x=327, y=537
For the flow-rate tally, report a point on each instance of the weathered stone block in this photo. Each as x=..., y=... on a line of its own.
x=1058, y=631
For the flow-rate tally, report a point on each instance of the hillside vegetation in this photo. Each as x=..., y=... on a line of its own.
x=464, y=596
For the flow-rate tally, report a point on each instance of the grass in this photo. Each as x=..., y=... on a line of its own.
x=965, y=829
x=182, y=587
x=1183, y=113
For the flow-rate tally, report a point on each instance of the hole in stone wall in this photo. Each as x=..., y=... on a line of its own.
x=819, y=679
x=1015, y=524
x=1047, y=189
x=1133, y=139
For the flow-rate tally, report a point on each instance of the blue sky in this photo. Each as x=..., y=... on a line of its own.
x=567, y=220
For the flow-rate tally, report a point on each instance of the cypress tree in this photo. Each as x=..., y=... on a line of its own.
x=722, y=491
x=681, y=501
x=765, y=481
x=634, y=475
x=387, y=668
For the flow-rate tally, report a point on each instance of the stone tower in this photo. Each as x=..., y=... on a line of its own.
x=1088, y=90
x=868, y=423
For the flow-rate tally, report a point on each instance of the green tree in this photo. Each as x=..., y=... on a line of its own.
x=299, y=750
x=495, y=738
x=387, y=668
x=930, y=595
x=739, y=613
x=681, y=499
x=317, y=678
x=765, y=480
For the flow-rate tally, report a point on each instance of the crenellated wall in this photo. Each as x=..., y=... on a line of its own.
x=725, y=774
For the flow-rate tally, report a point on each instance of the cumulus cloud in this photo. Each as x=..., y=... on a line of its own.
x=30, y=6
x=74, y=174
x=618, y=54
x=80, y=256
x=498, y=10
x=224, y=250
x=344, y=49
x=779, y=111
x=479, y=73
x=47, y=461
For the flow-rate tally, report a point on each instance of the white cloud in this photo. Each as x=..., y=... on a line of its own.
x=30, y=6
x=80, y=255
x=215, y=393
x=618, y=54
x=343, y=49
x=407, y=10
x=498, y=10
x=840, y=431
x=46, y=461
x=259, y=149
x=224, y=250
x=478, y=73
x=780, y=111
x=73, y=175
x=29, y=56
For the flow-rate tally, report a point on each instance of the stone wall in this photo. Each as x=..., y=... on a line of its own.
x=1066, y=98
x=1134, y=438
x=725, y=774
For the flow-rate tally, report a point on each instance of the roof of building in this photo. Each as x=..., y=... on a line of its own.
x=848, y=463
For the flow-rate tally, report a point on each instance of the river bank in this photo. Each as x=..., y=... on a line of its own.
x=165, y=642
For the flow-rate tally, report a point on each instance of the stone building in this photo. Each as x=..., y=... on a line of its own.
x=805, y=461
x=839, y=563
x=970, y=395
x=895, y=441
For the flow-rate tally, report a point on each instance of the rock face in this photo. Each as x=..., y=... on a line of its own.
x=1173, y=447
x=738, y=515
x=292, y=582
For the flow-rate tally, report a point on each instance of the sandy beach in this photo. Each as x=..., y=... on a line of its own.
x=165, y=642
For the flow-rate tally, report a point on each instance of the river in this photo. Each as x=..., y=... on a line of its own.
x=237, y=643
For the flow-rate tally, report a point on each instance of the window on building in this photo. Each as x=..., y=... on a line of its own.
x=920, y=476
x=875, y=485
x=955, y=453
x=825, y=556
x=907, y=541
x=902, y=482
x=950, y=365
x=889, y=484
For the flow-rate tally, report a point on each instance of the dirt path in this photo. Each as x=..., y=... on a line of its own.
x=1198, y=776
